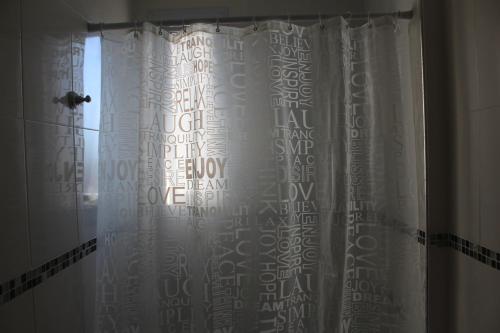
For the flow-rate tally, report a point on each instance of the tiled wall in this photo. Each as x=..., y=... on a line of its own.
x=475, y=67
x=47, y=171
x=48, y=166
x=462, y=61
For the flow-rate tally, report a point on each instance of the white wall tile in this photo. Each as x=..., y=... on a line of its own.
x=51, y=190
x=89, y=291
x=10, y=23
x=14, y=247
x=438, y=284
x=10, y=80
x=17, y=316
x=10, y=59
x=463, y=61
x=488, y=168
x=58, y=302
x=487, y=37
x=47, y=77
x=103, y=10
x=439, y=124
x=467, y=211
x=51, y=16
x=47, y=59
x=477, y=296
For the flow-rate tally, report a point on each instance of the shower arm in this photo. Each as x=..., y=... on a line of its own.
x=96, y=27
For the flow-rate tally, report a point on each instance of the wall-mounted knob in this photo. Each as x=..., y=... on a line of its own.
x=74, y=99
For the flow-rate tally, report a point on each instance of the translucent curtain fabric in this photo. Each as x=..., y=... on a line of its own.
x=259, y=181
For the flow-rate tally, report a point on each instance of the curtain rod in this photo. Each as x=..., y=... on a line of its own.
x=95, y=27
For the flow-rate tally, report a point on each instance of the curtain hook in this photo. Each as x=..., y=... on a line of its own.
x=347, y=18
x=160, y=32
x=255, y=26
x=369, y=19
x=183, y=26
x=321, y=25
x=217, y=29
x=396, y=21
x=136, y=31
x=289, y=23
x=101, y=30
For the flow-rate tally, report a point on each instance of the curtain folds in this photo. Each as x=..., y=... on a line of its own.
x=260, y=181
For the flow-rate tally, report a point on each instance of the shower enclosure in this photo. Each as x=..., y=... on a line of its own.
x=250, y=171
x=264, y=177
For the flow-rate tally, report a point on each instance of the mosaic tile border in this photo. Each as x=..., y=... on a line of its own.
x=465, y=246
x=421, y=237
x=17, y=286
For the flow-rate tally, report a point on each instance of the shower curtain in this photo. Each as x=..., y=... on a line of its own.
x=260, y=179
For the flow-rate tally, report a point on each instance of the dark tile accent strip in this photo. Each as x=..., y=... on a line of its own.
x=465, y=246
x=17, y=286
x=421, y=237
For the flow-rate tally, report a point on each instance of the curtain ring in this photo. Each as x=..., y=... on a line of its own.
x=160, y=32
x=321, y=25
x=136, y=31
x=347, y=18
x=101, y=30
x=289, y=23
x=255, y=26
x=396, y=21
x=217, y=29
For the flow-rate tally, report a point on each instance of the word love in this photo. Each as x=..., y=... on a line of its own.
x=198, y=167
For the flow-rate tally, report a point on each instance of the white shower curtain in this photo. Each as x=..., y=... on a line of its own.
x=260, y=180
